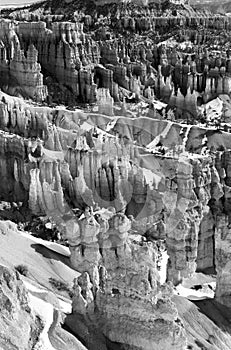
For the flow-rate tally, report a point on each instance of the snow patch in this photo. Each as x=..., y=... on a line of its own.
x=163, y=134
x=193, y=294
x=45, y=311
x=64, y=306
x=159, y=105
x=163, y=267
x=151, y=178
x=111, y=124
x=185, y=140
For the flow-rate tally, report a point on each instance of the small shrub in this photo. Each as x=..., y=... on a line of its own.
x=22, y=269
x=60, y=286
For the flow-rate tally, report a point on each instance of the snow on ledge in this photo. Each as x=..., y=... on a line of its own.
x=193, y=294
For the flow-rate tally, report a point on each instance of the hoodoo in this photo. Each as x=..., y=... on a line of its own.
x=115, y=182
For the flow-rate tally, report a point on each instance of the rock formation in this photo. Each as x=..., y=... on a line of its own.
x=129, y=307
x=180, y=185
x=19, y=328
x=20, y=65
x=71, y=52
x=136, y=180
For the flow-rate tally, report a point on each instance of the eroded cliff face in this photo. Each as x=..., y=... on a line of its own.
x=221, y=210
x=124, y=298
x=19, y=327
x=78, y=58
x=143, y=202
x=163, y=215
x=178, y=192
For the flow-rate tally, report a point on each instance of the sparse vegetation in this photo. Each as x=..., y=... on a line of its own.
x=22, y=269
x=60, y=286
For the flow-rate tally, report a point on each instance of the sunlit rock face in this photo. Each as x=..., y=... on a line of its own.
x=76, y=60
x=173, y=203
x=19, y=328
x=123, y=296
x=58, y=52
x=169, y=197
x=178, y=205
x=20, y=65
x=141, y=196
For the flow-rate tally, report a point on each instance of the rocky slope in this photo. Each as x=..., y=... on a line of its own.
x=19, y=328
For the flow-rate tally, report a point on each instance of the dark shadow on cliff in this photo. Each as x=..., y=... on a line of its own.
x=50, y=254
x=10, y=85
x=216, y=312
x=210, y=271
x=88, y=334
x=15, y=212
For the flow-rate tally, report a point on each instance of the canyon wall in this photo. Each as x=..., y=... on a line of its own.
x=74, y=59
x=143, y=202
x=174, y=198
